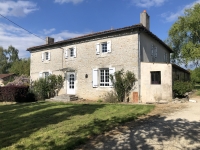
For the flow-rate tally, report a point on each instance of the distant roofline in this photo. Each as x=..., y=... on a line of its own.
x=140, y=27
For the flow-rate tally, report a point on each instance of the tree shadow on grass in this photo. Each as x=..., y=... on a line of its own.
x=21, y=120
x=153, y=133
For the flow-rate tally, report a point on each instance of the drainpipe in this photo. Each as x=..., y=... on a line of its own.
x=139, y=69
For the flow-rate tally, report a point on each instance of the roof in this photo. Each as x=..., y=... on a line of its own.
x=179, y=68
x=137, y=27
x=2, y=76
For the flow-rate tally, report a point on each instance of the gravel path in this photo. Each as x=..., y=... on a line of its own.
x=169, y=127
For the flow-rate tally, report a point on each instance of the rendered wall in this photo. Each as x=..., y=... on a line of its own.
x=156, y=92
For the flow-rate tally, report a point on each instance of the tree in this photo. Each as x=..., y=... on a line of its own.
x=123, y=83
x=21, y=67
x=184, y=37
x=3, y=61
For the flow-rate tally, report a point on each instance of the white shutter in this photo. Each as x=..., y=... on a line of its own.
x=95, y=78
x=40, y=75
x=156, y=52
x=74, y=51
x=50, y=72
x=97, y=48
x=111, y=71
x=42, y=56
x=109, y=46
x=66, y=53
x=49, y=56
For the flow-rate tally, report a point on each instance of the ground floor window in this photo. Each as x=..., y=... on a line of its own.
x=155, y=77
x=104, y=77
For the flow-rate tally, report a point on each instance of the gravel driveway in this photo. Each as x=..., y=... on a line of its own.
x=168, y=127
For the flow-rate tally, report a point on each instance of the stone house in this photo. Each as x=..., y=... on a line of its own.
x=6, y=78
x=85, y=62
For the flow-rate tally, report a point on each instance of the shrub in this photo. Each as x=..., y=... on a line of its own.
x=45, y=87
x=15, y=94
x=22, y=80
x=110, y=97
x=181, y=87
x=123, y=83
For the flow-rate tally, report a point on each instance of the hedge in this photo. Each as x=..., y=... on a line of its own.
x=16, y=94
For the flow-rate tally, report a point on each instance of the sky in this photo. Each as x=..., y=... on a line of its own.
x=64, y=19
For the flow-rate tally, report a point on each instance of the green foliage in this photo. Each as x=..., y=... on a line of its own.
x=21, y=67
x=123, y=83
x=195, y=75
x=3, y=61
x=45, y=87
x=181, y=87
x=184, y=37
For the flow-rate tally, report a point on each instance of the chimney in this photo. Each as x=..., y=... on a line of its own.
x=49, y=40
x=145, y=19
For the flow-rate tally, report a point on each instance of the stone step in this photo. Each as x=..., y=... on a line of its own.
x=65, y=97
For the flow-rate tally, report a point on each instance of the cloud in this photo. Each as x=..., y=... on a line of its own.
x=17, y=8
x=65, y=35
x=21, y=40
x=68, y=1
x=48, y=31
x=171, y=16
x=148, y=3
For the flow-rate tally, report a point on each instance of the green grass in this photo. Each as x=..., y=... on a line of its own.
x=46, y=125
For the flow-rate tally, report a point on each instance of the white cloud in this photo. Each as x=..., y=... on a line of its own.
x=17, y=8
x=171, y=16
x=65, y=35
x=22, y=40
x=68, y=1
x=148, y=3
x=48, y=31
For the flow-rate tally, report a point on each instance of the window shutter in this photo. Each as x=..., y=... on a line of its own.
x=49, y=56
x=42, y=56
x=97, y=48
x=40, y=75
x=95, y=78
x=164, y=57
x=66, y=53
x=50, y=72
x=156, y=52
x=152, y=50
x=109, y=46
x=111, y=72
x=74, y=51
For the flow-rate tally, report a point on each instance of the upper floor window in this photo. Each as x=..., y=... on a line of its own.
x=71, y=52
x=154, y=51
x=46, y=56
x=165, y=57
x=104, y=47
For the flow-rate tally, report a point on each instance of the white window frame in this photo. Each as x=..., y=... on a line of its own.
x=46, y=56
x=104, y=75
x=44, y=74
x=97, y=77
x=68, y=52
x=100, y=47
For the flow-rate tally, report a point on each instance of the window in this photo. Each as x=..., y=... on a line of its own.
x=165, y=57
x=154, y=51
x=155, y=77
x=104, y=47
x=101, y=77
x=44, y=74
x=46, y=56
x=104, y=77
x=71, y=52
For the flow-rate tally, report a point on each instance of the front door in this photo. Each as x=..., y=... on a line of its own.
x=70, y=82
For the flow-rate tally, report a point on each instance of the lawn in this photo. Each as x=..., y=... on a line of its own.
x=48, y=125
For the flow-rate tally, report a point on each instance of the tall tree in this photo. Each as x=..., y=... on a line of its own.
x=3, y=61
x=184, y=37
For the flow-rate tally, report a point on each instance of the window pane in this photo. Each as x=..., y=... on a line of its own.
x=104, y=77
x=104, y=47
x=71, y=52
x=155, y=77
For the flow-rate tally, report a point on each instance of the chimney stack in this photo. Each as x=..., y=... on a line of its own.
x=145, y=19
x=49, y=40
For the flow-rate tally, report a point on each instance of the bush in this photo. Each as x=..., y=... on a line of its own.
x=22, y=80
x=110, y=97
x=45, y=87
x=15, y=94
x=181, y=87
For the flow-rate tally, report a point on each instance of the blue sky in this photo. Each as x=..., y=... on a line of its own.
x=63, y=19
